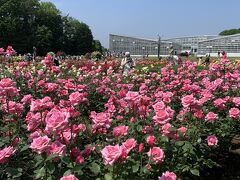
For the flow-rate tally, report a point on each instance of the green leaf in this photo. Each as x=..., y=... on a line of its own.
x=108, y=176
x=50, y=168
x=40, y=173
x=67, y=173
x=95, y=168
x=24, y=148
x=51, y=157
x=78, y=169
x=179, y=143
x=195, y=172
x=135, y=168
x=66, y=160
x=14, y=172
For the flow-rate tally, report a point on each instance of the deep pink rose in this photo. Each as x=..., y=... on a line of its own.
x=234, y=113
x=212, y=140
x=211, y=116
x=80, y=159
x=57, y=148
x=188, y=100
x=129, y=144
x=40, y=144
x=120, y=131
x=6, y=153
x=151, y=140
x=56, y=120
x=156, y=154
x=168, y=176
x=111, y=154
x=70, y=177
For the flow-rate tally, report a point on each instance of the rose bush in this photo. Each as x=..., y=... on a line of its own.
x=84, y=120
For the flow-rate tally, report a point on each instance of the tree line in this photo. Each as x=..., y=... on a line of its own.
x=229, y=32
x=26, y=24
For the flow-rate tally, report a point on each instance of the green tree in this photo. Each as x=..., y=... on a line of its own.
x=49, y=16
x=17, y=24
x=43, y=40
x=229, y=32
x=78, y=39
x=98, y=46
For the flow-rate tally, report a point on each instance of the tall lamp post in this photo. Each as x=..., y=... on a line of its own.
x=159, y=46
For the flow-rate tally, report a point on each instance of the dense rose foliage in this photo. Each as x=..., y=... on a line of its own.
x=84, y=120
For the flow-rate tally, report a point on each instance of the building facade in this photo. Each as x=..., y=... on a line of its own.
x=229, y=44
x=190, y=43
x=140, y=46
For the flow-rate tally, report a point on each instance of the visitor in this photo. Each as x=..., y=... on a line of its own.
x=127, y=64
x=224, y=54
x=207, y=60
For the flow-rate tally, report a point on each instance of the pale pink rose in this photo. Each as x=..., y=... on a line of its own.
x=220, y=103
x=132, y=96
x=6, y=153
x=168, y=176
x=188, y=100
x=156, y=154
x=159, y=106
x=120, y=131
x=183, y=130
x=234, y=113
x=211, y=116
x=77, y=98
x=151, y=140
x=40, y=144
x=34, y=135
x=27, y=99
x=51, y=87
x=57, y=148
x=68, y=136
x=161, y=117
x=111, y=154
x=69, y=177
x=56, y=120
x=166, y=129
x=129, y=144
x=212, y=140
x=101, y=120
x=236, y=101
x=13, y=108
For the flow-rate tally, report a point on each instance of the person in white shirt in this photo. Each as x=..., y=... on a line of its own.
x=127, y=64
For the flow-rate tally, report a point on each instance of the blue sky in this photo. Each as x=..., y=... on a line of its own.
x=148, y=18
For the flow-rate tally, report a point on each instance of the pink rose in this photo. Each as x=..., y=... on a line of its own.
x=140, y=148
x=80, y=159
x=6, y=153
x=27, y=99
x=212, y=140
x=156, y=154
x=120, y=131
x=70, y=177
x=159, y=106
x=76, y=98
x=236, y=101
x=161, y=117
x=188, y=100
x=132, y=96
x=57, y=148
x=129, y=144
x=40, y=144
x=168, y=176
x=234, y=113
x=111, y=154
x=56, y=120
x=211, y=116
x=166, y=129
x=151, y=140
